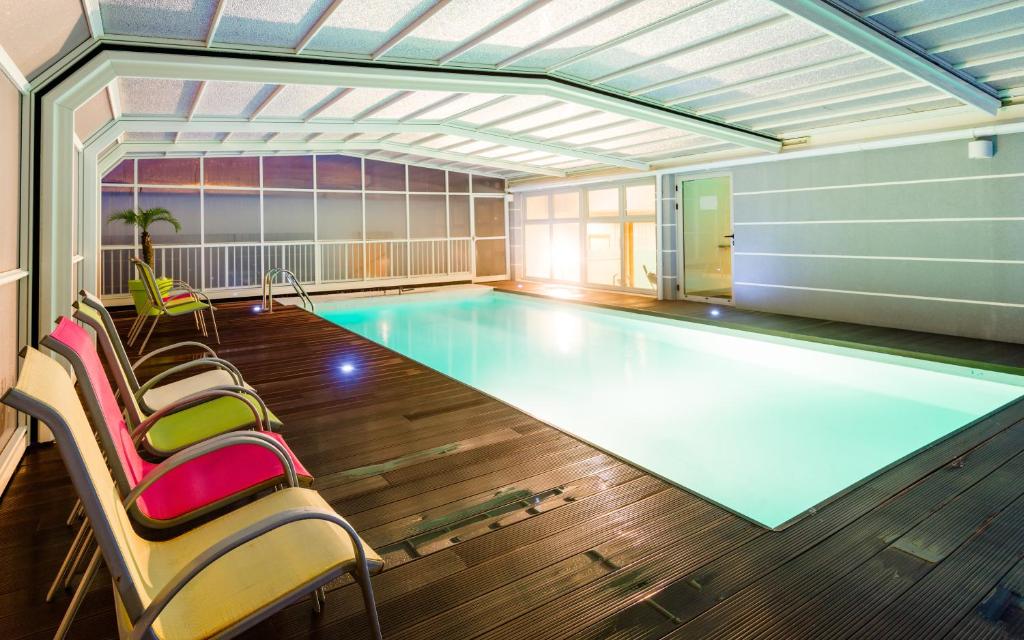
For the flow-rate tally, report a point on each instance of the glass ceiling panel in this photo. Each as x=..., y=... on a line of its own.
x=538, y=25
x=473, y=147
x=296, y=100
x=249, y=136
x=457, y=22
x=804, y=115
x=178, y=19
x=976, y=27
x=239, y=99
x=409, y=138
x=660, y=133
x=361, y=26
x=411, y=104
x=578, y=125
x=443, y=141
x=617, y=131
x=504, y=109
x=149, y=136
x=846, y=119
x=554, y=114
x=152, y=96
x=919, y=13
x=664, y=146
x=355, y=102
x=269, y=22
x=456, y=106
x=200, y=136
x=1010, y=43
x=728, y=51
x=715, y=21
x=502, y=152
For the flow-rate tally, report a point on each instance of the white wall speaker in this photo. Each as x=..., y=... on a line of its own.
x=980, y=149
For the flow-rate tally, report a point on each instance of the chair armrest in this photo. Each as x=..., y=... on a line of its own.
x=208, y=446
x=142, y=626
x=200, y=397
x=171, y=347
x=218, y=363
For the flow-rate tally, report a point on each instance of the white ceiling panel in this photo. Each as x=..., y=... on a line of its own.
x=151, y=96
x=239, y=99
x=457, y=22
x=297, y=100
x=176, y=19
x=269, y=22
x=361, y=26
x=355, y=102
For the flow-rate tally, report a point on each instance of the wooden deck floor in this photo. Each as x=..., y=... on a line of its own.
x=498, y=526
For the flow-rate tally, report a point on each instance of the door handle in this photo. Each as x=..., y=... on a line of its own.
x=731, y=235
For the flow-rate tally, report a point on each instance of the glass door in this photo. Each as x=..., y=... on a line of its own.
x=707, y=238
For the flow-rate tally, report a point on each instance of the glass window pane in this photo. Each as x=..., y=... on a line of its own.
x=489, y=217
x=486, y=184
x=385, y=176
x=604, y=244
x=183, y=205
x=123, y=173
x=287, y=216
x=537, y=251
x=339, y=172
x=458, y=212
x=113, y=200
x=425, y=179
x=490, y=257
x=641, y=255
x=566, y=204
x=565, y=251
x=177, y=171
x=427, y=217
x=640, y=200
x=603, y=203
x=385, y=216
x=537, y=208
x=232, y=172
x=339, y=216
x=458, y=182
x=288, y=172
x=232, y=216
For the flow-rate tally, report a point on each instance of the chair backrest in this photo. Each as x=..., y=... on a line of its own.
x=74, y=344
x=149, y=282
x=46, y=392
x=95, y=314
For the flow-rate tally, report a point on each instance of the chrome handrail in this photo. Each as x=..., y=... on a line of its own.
x=268, y=288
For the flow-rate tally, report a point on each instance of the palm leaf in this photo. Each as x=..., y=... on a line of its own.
x=128, y=216
x=160, y=214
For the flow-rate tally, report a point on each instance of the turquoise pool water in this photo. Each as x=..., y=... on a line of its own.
x=766, y=427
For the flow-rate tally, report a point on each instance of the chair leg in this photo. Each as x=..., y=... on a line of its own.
x=69, y=576
x=213, y=320
x=74, y=512
x=133, y=332
x=72, y=552
x=370, y=603
x=202, y=323
x=76, y=600
x=151, y=328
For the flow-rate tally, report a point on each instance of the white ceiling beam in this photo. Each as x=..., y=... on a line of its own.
x=501, y=25
x=701, y=43
x=318, y=25
x=888, y=6
x=93, y=17
x=330, y=102
x=574, y=28
x=394, y=40
x=369, y=145
x=173, y=125
x=381, y=105
x=885, y=45
x=556, y=123
x=114, y=98
x=430, y=107
x=196, y=99
x=961, y=18
x=636, y=33
x=218, y=13
x=803, y=90
x=12, y=72
x=497, y=122
x=266, y=101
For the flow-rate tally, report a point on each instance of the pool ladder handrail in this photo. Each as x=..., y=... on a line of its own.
x=268, y=288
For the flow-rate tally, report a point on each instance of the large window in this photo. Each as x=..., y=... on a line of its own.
x=328, y=218
x=602, y=236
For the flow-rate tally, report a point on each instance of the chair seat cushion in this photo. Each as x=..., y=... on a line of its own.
x=159, y=397
x=221, y=476
x=254, y=575
x=200, y=422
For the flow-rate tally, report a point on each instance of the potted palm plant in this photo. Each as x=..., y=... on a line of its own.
x=143, y=219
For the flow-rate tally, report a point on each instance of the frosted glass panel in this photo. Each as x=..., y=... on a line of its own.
x=339, y=172
x=384, y=176
x=385, y=216
x=123, y=173
x=537, y=207
x=232, y=216
x=425, y=179
x=232, y=172
x=339, y=216
x=490, y=257
x=486, y=184
x=489, y=217
x=287, y=216
x=603, y=203
x=604, y=255
x=427, y=217
x=458, y=182
x=565, y=251
x=566, y=204
x=458, y=212
x=288, y=172
x=183, y=204
x=640, y=200
x=176, y=171
x=641, y=255
x=537, y=251
x=112, y=200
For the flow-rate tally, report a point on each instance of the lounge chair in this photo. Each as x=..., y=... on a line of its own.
x=180, y=424
x=218, y=579
x=180, y=301
x=152, y=395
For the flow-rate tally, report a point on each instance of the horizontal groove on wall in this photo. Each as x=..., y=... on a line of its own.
x=882, y=221
x=994, y=176
x=896, y=258
x=879, y=294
